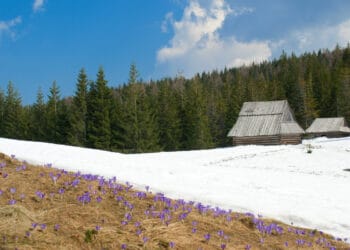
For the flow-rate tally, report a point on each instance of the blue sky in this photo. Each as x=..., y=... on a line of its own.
x=46, y=40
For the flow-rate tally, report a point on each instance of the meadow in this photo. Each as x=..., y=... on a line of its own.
x=44, y=207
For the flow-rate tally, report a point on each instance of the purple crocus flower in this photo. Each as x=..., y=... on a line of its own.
x=56, y=227
x=171, y=244
x=12, y=202
x=145, y=239
x=248, y=247
x=40, y=194
x=34, y=225
x=27, y=234
x=98, y=228
x=123, y=246
x=1, y=192
x=12, y=190
x=223, y=246
x=207, y=237
x=43, y=226
x=61, y=191
x=221, y=233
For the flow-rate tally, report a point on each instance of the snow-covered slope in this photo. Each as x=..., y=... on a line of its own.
x=281, y=182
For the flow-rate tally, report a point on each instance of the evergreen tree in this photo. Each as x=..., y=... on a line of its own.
x=77, y=135
x=2, y=111
x=53, y=132
x=118, y=125
x=12, y=123
x=38, y=118
x=310, y=104
x=168, y=118
x=98, y=114
x=196, y=134
x=141, y=130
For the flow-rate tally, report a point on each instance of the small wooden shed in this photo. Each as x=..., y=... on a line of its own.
x=266, y=123
x=331, y=127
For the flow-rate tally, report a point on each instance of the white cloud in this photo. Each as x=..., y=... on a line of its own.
x=197, y=46
x=168, y=19
x=315, y=38
x=38, y=5
x=6, y=27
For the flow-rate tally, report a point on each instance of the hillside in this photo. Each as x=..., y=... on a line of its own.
x=44, y=207
x=280, y=182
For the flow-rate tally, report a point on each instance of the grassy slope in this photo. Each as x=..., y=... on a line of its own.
x=76, y=219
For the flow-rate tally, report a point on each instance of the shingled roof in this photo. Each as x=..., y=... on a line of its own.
x=265, y=118
x=328, y=125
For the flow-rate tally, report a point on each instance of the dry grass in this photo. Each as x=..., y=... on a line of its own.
x=77, y=220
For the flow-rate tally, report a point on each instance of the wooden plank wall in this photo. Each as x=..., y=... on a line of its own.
x=267, y=140
x=257, y=140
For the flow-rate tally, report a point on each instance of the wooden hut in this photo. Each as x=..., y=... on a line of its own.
x=330, y=127
x=266, y=123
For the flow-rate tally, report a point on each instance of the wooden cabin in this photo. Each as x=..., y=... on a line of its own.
x=266, y=123
x=330, y=127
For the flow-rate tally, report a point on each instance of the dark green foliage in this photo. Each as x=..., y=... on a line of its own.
x=98, y=113
x=196, y=131
x=141, y=133
x=53, y=133
x=12, y=126
x=168, y=114
x=178, y=113
x=2, y=111
x=77, y=135
x=90, y=235
x=38, y=118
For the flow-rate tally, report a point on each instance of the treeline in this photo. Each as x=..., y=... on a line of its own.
x=177, y=113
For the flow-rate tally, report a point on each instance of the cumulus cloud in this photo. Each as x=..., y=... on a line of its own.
x=38, y=5
x=197, y=46
x=314, y=38
x=6, y=27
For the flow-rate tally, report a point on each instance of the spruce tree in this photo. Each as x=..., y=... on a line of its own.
x=196, y=134
x=52, y=114
x=2, y=111
x=141, y=130
x=77, y=135
x=310, y=103
x=118, y=125
x=168, y=118
x=38, y=118
x=12, y=123
x=99, y=105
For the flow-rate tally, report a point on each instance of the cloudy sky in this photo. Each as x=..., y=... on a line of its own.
x=46, y=40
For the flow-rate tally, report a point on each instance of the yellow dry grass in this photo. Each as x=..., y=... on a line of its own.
x=76, y=220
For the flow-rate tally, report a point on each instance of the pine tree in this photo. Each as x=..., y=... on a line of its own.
x=141, y=130
x=98, y=114
x=12, y=123
x=77, y=135
x=196, y=134
x=52, y=114
x=38, y=118
x=2, y=111
x=310, y=103
x=118, y=125
x=168, y=118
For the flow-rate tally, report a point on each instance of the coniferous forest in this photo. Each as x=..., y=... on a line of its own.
x=177, y=113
